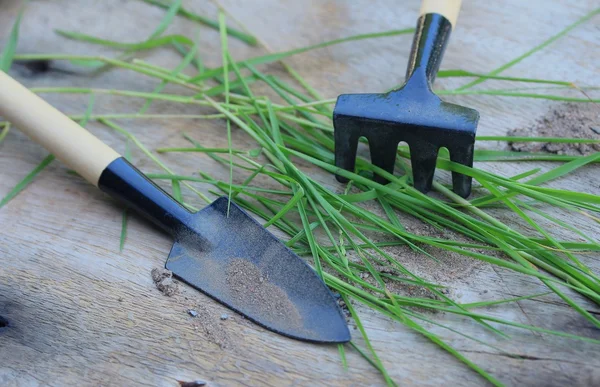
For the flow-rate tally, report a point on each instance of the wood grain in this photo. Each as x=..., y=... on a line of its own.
x=83, y=313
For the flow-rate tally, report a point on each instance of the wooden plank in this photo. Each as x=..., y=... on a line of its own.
x=83, y=313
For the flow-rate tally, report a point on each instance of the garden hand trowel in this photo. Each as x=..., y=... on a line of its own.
x=228, y=256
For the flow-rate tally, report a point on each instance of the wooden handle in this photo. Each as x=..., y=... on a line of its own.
x=64, y=138
x=447, y=8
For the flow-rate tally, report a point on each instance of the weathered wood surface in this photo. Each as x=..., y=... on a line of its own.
x=83, y=313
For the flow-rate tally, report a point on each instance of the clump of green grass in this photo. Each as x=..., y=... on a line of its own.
x=333, y=230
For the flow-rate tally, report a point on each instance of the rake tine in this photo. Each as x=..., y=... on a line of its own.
x=383, y=154
x=423, y=158
x=461, y=184
x=346, y=143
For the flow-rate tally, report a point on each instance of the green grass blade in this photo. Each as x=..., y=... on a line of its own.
x=45, y=162
x=485, y=304
x=555, y=173
x=145, y=45
x=251, y=40
x=565, y=169
x=282, y=55
x=289, y=205
x=483, y=77
x=163, y=25
x=4, y=132
x=147, y=152
x=8, y=52
x=225, y=59
x=26, y=181
x=505, y=93
x=361, y=328
x=546, y=43
x=434, y=338
x=167, y=19
x=342, y=353
x=553, y=140
x=199, y=150
x=124, y=216
x=493, y=155
x=184, y=63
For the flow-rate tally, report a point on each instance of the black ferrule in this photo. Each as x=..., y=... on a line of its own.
x=127, y=184
x=431, y=36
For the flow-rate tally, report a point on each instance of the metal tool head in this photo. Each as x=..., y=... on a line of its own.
x=230, y=257
x=415, y=115
x=412, y=113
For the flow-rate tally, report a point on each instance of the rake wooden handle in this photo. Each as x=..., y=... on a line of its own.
x=64, y=138
x=447, y=8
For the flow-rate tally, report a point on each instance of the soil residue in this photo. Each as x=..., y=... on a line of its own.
x=450, y=266
x=569, y=120
x=213, y=328
x=163, y=279
x=205, y=320
x=250, y=287
x=342, y=304
x=446, y=268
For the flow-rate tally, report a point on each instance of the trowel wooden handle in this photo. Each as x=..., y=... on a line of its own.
x=68, y=141
x=447, y=8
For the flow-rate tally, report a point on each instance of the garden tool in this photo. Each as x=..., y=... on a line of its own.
x=412, y=113
x=220, y=250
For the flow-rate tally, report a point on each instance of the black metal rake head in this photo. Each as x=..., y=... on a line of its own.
x=413, y=114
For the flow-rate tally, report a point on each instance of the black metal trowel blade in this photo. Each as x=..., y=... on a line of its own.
x=242, y=265
x=229, y=256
